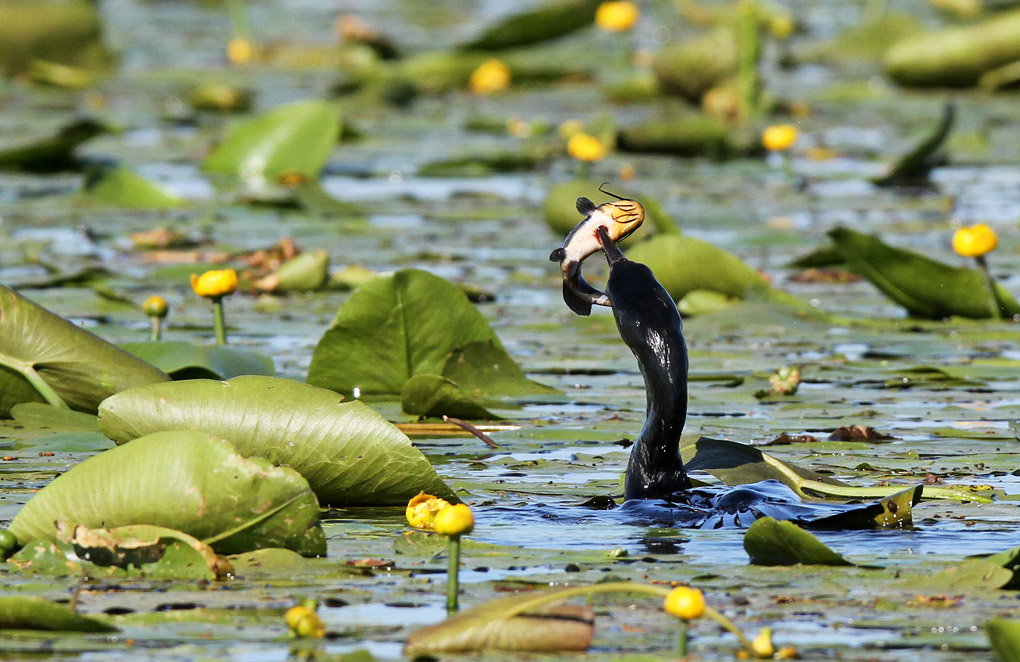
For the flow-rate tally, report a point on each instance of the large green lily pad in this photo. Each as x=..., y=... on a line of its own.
x=348, y=453
x=182, y=360
x=26, y=612
x=683, y=264
x=773, y=542
x=293, y=139
x=45, y=357
x=403, y=324
x=183, y=480
x=925, y=287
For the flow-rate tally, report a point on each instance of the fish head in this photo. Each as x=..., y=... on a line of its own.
x=624, y=217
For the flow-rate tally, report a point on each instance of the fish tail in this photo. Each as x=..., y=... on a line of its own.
x=577, y=302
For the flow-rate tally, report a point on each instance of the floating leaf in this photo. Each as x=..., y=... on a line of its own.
x=681, y=134
x=925, y=287
x=970, y=575
x=347, y=452
x=396, y=326
x=771, y=542
x=41, y=415
x=53, y=152
x=295, y=139
x=44, y=356
x=1005, y=638
x=123, y=188
x=684, y=264
x=182, y=360
x=918, y=162
x=23, y=612
x=436, y=396
x=306, y=272
x=484, y=368
x=548, y=21
x=182, y=480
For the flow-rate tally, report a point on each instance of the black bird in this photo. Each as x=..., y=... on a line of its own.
x=657, y=488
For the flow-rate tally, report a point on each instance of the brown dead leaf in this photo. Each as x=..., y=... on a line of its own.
x=858, y=433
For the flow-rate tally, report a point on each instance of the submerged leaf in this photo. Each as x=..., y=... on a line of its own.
x=925, y=287
x=182, y=360
x=41, y=351
x=348, y=453
x=436, y=396
x=399, y=325
x=295, y=139
x=771, y=542
x=24, y=612
x=182, y=480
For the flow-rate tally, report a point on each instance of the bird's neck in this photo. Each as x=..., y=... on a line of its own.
x=655, y=469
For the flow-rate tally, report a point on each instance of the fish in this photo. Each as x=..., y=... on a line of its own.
x=619, y=218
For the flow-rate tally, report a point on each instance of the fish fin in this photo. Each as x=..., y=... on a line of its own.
x=585, y=206
x=557, y=255
x=578, y=303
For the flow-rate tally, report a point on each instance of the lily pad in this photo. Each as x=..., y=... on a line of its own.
x=25, y=612
x=436, y=396
x=548, y=21
x=52, y=152
x=483, y=368
x=925, y=287
x=918, y=162
x=348, y=453
x=399, y=325
x=46, y=357
x=182, y=480
x=306, y=272
x=123, y=188
x=773, y=542
x=182, y=360
x=1004, y=635
x=684, y=264
x=295, y=139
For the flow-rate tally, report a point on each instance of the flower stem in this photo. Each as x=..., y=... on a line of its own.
x=681, y=639
x=453, y=551
x=218, y=324
x=157, y=329
x=998, y=309
x=729, y=625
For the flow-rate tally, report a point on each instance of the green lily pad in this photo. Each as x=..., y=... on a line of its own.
x=684, y=264
x=293, y=139
x=306, y=272
x=44, y=357
x=773, y=542
x=483, y=368
x=41, y=415
x=123, y=188
x=25, y=612
x=925, y=287
x=52, y=152
x=349, y=454
x=918, y=162
x=548, y=21
x=183, y=480
x=182, y=360
x=970, y=575
x=399, y=325
x=682, y=134
x=436, y=396
x=1004, y=635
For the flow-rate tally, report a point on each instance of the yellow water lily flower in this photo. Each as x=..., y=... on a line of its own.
x=780, y=137
x=491, y=76
x=240, y=51
x=155, y=306
x=584, y=147
x=215, y=284
x=685, y=602
x=617, y=16
x=454, y=521
x=762, y=644
x=975, y=241
x=304, y=622
x=421, y=510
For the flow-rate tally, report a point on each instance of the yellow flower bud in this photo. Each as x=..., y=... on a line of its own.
x=762, y=644
x=421, y=510
x=295, y=614
x=454, y=521
x=685, y=602
x=155, y=306
x=617, y=16
x=215, y=284
x=779, y=137
x=583, y=147
x=491, y=76
x=240, y=51
x=304, y=622
x=781, y=26
x=975, y=241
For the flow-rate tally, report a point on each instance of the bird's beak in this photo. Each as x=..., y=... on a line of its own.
x=613, y=254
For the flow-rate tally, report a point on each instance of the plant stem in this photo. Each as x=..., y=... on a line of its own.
x=157, y=329
x=43, y=387
x=453, y=551
x=218, y=324
x=681, y=639
x=998, y=309
x=239, y=19
x=747, y=64
x=729, y=625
